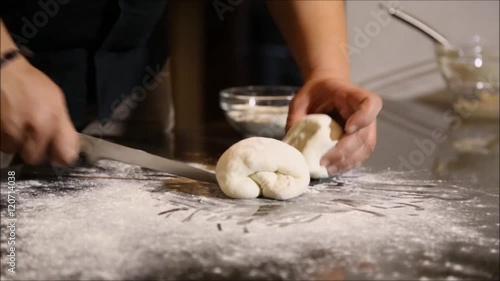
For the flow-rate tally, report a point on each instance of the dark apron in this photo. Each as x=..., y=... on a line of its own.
x=97, y=51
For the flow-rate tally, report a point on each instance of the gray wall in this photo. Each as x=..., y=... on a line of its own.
x=391, y=51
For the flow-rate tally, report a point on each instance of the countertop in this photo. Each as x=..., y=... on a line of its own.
x=424, y=206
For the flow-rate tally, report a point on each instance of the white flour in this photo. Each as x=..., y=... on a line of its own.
x=382, y=226
x=264, y=121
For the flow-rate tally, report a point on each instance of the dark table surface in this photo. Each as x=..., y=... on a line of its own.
x=424, y=206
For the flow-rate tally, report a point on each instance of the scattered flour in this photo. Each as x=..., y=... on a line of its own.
x=374, y=226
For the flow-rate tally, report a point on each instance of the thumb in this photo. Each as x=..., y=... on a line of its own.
x=64, y=148
x=297, y=109
x=365, y=114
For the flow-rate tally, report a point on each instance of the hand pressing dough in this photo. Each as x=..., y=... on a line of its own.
x=313, y=136
x=265, y=167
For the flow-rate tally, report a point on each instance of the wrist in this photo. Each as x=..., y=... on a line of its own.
x=15, y=60
x=16, y=70
x=328, y=73
x=16, y=54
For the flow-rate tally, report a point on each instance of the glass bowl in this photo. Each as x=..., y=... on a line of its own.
x=257, y=110
x=471, y=74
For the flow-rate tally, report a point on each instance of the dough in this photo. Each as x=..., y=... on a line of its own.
x=313, y=136
x=265, y=167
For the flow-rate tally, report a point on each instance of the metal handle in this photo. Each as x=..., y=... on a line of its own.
x=418, y=25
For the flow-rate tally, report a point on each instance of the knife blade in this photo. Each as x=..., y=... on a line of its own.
x=95, y=149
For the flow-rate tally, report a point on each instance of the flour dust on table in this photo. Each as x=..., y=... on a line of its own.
x=390, y=225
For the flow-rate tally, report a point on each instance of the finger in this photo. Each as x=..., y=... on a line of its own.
x=64, y=145
x=346, y=112
x=366, y=112
x=354, y=160
x=333, y=105
x=368, y=139
x=33, y=151
x=347, y=145
x=38, y=129
x=11, y=136
x=297, y=109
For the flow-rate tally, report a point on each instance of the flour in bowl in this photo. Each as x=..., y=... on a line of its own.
x=263, y=121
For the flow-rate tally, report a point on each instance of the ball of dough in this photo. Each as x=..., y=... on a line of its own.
x=313, y=136
x=265, y=167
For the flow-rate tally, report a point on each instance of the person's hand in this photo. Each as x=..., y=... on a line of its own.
x=356, y=106
x=34, y=119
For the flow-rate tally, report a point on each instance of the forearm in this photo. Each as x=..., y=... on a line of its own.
x=19, y=63
x=6, y=42
x=316, y=34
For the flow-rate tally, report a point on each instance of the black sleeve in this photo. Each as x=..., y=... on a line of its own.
x=8, y=8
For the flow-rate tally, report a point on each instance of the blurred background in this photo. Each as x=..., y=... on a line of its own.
x=240, y=45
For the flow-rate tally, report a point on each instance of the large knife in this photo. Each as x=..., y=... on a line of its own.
x=95, y=149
